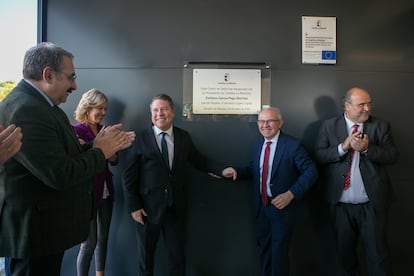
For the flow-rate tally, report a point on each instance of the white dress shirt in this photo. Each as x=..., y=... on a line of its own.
x=356, y=193
x=169, y=138
x=273, y=146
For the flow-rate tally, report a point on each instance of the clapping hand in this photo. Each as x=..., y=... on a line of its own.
x=112, y=139
x=10, y=142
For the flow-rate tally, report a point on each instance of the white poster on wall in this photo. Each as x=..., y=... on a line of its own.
x=226, y=91
x=318, y=40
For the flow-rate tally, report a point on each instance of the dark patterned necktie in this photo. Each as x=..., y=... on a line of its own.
x=164, y=149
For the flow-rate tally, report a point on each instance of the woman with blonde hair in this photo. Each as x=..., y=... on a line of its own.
x=90, y=113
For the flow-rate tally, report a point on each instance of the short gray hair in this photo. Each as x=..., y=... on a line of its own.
x=276, y=110
x=37, y=58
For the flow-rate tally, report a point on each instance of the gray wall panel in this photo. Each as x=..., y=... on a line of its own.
x=133, y=49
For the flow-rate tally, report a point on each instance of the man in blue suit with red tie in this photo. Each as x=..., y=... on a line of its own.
x=282, y=173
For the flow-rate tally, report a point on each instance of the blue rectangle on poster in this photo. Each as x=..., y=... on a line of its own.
x=328, y=55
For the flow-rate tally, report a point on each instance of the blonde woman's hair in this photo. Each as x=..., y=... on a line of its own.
x=90, y=99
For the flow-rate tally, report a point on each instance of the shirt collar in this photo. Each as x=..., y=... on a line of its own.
x=274, y=139
x=351, y=124
x=40, y=92
x=157, y=131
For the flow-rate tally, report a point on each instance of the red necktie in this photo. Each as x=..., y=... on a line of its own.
x=351, y=155
x=265, y=168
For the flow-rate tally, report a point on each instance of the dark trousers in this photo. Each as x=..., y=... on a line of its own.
x=361, y=222
x=274, y=238
x=97, y=241
x=36, y=266
x=173, y=232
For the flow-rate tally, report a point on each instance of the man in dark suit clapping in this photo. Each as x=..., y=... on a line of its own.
x=353, y=150
x=45, y=188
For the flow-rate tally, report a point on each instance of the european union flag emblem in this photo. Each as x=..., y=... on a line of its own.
x=330, y=55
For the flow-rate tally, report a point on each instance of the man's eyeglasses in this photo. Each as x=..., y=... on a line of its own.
x=262, y=122
x=70, y=77
x=362, y=105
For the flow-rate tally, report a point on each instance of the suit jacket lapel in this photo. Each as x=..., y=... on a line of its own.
x=257, y=151
x=177, y=145
x=341, y=128
x=64, y=122
x=152, y=140
x=369, y=128
x=280, y=148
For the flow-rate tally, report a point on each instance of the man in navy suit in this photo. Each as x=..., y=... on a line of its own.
x=359, y=208
x=290, y=174
x=155, y=185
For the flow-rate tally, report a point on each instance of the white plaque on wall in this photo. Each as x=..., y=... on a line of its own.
x=226, y=91
x=318, y=40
